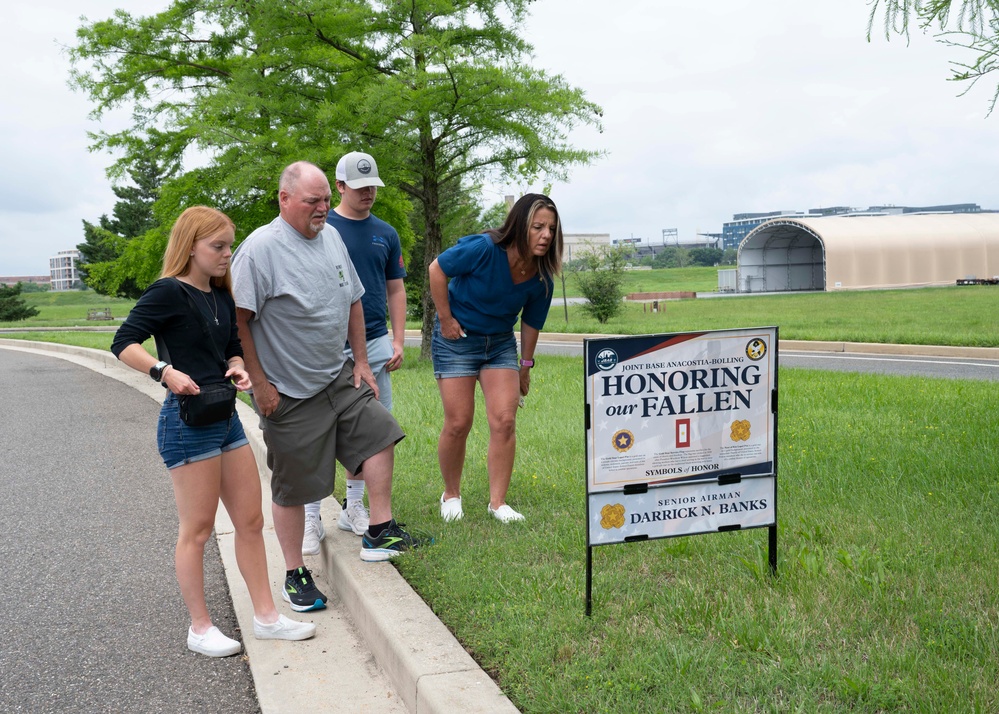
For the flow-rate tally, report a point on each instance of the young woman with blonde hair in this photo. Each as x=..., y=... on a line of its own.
x=190, y=310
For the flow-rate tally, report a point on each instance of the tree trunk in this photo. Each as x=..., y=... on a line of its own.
x=433, y=239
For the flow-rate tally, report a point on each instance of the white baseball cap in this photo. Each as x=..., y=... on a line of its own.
x=358, y=170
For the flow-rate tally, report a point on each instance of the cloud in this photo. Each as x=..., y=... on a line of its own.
x=709, y=110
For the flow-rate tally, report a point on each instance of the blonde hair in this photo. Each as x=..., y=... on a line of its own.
x=194, y=224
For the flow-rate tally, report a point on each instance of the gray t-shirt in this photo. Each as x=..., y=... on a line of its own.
x=300, y=290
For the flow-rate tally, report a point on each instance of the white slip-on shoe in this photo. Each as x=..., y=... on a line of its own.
x=283, y=629
x=314, y=534
x=213, y=643
x=506, y=514
x=353, y=517
x=451, y=509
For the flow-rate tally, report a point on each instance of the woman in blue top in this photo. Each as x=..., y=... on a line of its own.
x=480, y=287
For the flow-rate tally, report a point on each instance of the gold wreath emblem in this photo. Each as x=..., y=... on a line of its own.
x=612, y=516
x=623, y=440
x=740, y=430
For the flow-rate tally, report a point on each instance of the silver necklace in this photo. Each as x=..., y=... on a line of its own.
x=215, y=312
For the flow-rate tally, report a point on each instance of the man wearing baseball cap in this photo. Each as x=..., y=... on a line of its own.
x=376, y=252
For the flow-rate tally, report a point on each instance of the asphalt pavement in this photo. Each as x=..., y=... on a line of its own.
x=92, y=619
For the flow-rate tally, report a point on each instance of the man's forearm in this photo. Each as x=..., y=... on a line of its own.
x=250, y=360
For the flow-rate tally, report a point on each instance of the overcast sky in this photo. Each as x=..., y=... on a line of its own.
x=709, y=110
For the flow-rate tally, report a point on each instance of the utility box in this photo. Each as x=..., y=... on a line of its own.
x=728, y=280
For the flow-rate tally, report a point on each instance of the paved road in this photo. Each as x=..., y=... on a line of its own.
x=916, y=365
x=944, y=367
x=92, y=619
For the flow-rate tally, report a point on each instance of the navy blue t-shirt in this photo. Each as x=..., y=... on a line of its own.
x=484, y=299
x=376, y=252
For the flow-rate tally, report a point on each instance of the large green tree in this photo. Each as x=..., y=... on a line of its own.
x=441, y=92
x=971, y=25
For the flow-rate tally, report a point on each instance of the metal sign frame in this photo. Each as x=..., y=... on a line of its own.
x=680, y=436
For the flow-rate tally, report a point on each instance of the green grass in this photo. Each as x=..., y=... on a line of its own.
x=63, y=308
x=885, y=598
x=963, y=316
x=694, y=279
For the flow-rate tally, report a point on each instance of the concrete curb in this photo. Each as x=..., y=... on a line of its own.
x=429, y=669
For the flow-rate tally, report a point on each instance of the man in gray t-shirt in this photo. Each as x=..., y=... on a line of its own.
x=298, y=298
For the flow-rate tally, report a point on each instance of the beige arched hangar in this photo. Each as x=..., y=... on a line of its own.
x=864, y=252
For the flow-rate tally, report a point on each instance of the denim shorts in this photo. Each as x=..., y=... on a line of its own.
x=180, y=444
x=466, y=356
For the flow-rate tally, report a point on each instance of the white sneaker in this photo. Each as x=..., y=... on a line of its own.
x=213, y=643
x=353, y=517
x=314, y=534
x=283, y=629
x=506, y=514
x=451, y=509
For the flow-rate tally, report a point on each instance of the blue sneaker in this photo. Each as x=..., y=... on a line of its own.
x=301, y=593
x=393, y=541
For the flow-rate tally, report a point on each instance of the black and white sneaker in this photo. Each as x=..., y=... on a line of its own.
x=301, y=593
x=393, y=541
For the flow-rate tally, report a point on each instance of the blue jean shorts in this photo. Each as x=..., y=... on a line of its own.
x=180, y=444
x=467, y=356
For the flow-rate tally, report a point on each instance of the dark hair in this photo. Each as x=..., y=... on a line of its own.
x=514, y=231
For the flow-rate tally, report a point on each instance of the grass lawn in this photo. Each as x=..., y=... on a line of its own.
x=885, y=598
x=69, y=307
x=693, y=279
x=962, y=316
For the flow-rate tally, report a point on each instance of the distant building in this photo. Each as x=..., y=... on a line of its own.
x=742, y=224
x=12, y=280
x=576, y=244
x=854, y=252
x=62, y=268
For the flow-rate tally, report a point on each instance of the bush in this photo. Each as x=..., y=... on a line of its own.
x=600, y=278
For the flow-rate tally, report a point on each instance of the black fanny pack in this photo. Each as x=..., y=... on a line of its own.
x=215, y=403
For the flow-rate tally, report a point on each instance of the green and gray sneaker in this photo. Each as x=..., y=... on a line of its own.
x=393, y=541
x=301, y=593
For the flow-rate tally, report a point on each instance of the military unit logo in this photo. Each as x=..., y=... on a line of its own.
x=606, y=359
x=623, y=440
x=756, y=349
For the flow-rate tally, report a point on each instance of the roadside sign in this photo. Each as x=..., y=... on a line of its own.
x=681, y=434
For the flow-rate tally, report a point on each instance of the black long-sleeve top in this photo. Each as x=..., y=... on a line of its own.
x=163, y=310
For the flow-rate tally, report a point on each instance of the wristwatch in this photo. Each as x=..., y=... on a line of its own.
x=527, y=363
x=156, y=371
